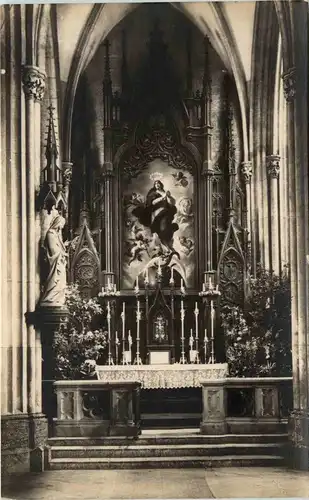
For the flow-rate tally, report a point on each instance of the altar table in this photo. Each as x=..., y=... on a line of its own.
x=173, y=376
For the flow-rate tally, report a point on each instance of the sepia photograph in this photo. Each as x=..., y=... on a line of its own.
x=154, y=250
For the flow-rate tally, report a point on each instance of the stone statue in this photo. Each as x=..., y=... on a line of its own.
x=55, y=285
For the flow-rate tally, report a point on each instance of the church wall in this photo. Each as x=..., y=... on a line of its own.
x=20, y=434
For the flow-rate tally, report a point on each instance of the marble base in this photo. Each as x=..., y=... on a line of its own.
x=23, y=439
x=80, y=428
x=93, y=428
x=214, y=407
x=299, y=440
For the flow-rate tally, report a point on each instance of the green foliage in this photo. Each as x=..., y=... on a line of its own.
x=80, y=340
x=258, y=337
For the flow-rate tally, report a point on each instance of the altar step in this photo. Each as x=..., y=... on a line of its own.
x=170, y=420
x=166, y=451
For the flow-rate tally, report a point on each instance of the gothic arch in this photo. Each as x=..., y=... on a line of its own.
x=89, y=42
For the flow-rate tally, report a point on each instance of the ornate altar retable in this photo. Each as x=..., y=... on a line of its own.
x=173, y=376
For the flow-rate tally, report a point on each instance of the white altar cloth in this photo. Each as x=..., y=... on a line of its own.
x=174, y=376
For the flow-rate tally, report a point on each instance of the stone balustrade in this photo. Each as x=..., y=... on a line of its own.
x=246, y=405
x=95, y=408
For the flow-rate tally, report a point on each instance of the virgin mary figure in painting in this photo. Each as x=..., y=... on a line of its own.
x=158, y=213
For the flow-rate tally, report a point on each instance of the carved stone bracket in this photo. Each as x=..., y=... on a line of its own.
x=246, y=170
x=289, y=84
x=67, y=172
x=273, y=166
x=33, y=83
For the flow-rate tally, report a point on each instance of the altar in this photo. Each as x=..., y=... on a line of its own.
x=160, y=235
x=172, y=376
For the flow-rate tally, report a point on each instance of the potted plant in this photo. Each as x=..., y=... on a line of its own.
x=258, y=336
x=80, y=341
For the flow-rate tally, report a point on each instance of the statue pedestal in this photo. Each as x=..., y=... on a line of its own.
x=47, y=320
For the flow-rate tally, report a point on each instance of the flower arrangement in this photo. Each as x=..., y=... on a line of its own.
x=80, y=340
x=258, y=336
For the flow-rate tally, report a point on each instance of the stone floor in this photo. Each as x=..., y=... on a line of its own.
x=166, y=484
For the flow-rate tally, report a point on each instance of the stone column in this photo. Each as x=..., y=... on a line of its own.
x=108, y=179
x=208, y=176
x=34, y=86
x=273, y=167
x=299, y=248
x=246, y=170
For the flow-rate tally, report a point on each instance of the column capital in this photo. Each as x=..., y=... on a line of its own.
x=207, y=169
x=67, y=171
x=289, y=84
x=273, y=166
x=246, y=170
x=107, y=170
x=33, y=83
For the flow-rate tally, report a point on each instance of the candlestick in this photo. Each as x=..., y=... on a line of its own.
x=138, y=360
x=210, y=284
x=212, y=317
x=123, y=318
x=129, y=352
x=172, y=281
x=205, y=346
x=130, y=342
x=109, y=359
x=196, y=312
x=116, y=346
x=182, y=317
x=146, y=278
x=159, y=268
x=191, y=339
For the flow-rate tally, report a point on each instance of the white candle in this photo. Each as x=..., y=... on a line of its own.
x=123, y=319
x=205, y=336
x=146, y=276
x=181, y=283
x=196, y=306
x=136, y=282
x=204, y=287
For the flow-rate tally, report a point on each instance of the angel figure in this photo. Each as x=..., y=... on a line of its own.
x=140, y=245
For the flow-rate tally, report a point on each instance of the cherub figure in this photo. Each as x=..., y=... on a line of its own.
x=140, y=245
x=186, y=244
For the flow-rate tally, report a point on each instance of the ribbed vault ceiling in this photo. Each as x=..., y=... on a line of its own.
x=229, y=26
